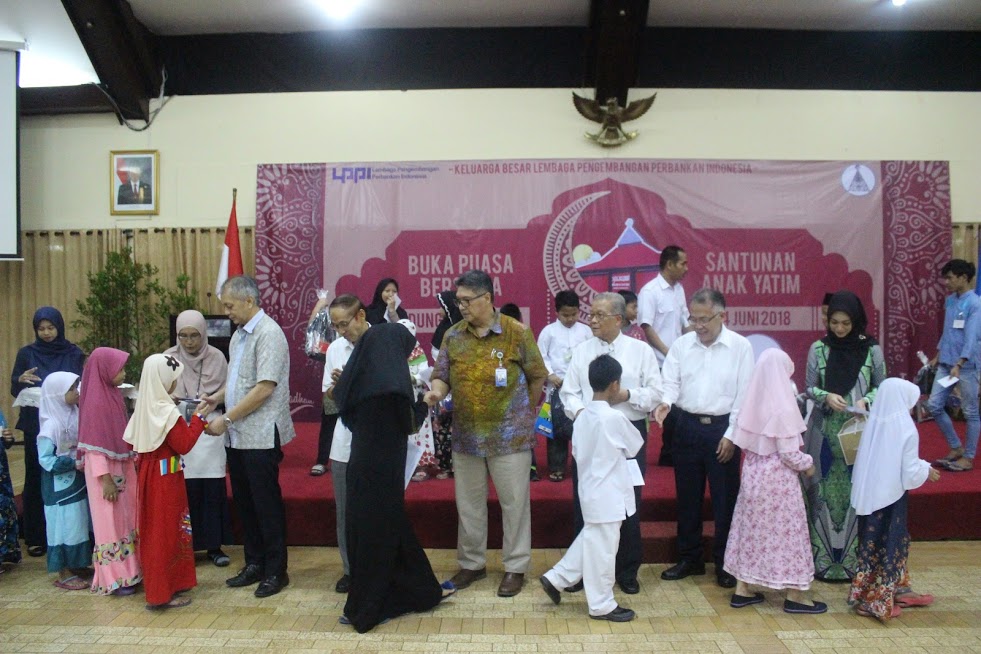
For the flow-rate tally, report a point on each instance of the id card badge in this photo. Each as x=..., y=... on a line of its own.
x=958, y=323
x=500, y=373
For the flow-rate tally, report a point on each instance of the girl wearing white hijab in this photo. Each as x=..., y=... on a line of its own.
x=886, y=467
x=160, y=435
x=66, y=506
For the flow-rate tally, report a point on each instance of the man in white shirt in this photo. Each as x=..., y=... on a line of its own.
x=555, y=343
x=705, y=375
x=602, y=443
x=347, y=315
x=663, y=315
x=640, y=392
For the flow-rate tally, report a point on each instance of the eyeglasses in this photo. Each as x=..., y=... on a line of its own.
x=701, y=322
x=188, y=337
x=341, y=325
x=465, y=301
x=600, y=316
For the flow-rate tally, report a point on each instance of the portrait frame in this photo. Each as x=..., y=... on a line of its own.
x=134, y=182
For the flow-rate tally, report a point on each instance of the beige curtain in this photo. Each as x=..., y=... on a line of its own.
x=56, y=263
x=965, y=240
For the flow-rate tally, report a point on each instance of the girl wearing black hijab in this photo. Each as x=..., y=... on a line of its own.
x=844, y=370
x=390, y=573
x=50, y=352
x=382, y=308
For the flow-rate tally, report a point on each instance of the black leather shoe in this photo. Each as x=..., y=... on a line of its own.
x=629, y=586
x=682, y=570
x=247, y=576
x=272, y=585
x=725, y=579
x=343, y=584
x=575, y=588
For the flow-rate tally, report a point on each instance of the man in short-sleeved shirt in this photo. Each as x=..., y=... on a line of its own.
x=257, y=421
x=496, y=373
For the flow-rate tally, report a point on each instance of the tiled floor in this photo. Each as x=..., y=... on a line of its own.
x=691, y=615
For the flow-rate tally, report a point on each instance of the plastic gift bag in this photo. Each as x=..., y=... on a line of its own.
x=320, y=332
x=543, y=425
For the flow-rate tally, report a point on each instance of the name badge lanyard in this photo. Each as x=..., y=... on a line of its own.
x=959, y=319
x=500, y=373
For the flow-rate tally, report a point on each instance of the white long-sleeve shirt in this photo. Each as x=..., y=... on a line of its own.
x=662, y=306
x=640, y=376
x=602, y=441
x=708, y=380
x=338, y=353
x=556, y=343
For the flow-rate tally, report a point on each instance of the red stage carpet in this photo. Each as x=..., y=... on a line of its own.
x=948, y=509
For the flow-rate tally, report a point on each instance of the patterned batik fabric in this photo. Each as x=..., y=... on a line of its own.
x=883, y=550
x=9, y=546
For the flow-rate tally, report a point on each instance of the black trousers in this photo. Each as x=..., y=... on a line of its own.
x=327, y=422
x=631, y=552
x=557, y=447
x=695, y=461
x=35, y=530
x=259, y=503
x=667, y=437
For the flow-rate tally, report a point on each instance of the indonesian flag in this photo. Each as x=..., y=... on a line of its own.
x=231, y=252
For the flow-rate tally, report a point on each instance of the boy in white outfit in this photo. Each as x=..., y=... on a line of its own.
x=602, y=441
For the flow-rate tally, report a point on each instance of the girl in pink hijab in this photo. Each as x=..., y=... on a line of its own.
x=110, y=473
x=769, y=541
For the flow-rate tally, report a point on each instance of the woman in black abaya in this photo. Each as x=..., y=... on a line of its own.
x=390, y=573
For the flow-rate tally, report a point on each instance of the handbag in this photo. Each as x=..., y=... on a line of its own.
x=543, y=424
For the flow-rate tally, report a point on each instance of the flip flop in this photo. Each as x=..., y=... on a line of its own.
x=448, y=589
x=955, y=467
x=909, y=600
x=422, y=475
x=556, y=476
x=175, y=603
x=72, y=583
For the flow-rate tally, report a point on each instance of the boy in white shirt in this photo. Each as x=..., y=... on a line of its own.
x=556, y=342
x=602, y=441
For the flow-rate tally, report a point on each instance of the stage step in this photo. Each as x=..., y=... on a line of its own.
x=660, y=541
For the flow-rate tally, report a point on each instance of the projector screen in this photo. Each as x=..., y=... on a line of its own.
x=9, y=158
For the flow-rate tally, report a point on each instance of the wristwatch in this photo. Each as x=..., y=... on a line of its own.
x=228, y=421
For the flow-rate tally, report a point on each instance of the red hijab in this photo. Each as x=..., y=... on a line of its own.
x=102, y=413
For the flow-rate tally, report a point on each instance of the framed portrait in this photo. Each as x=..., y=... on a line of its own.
x=134, y=182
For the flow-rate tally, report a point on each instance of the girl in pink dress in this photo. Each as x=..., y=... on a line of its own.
x=110, y=473
x=769, y=543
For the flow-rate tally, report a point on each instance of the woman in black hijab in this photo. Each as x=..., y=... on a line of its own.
x=844, y=370
x=50, y=352
x=390, y=573
x=383, y=304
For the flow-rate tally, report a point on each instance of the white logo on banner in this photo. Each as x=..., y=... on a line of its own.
x=858, y=179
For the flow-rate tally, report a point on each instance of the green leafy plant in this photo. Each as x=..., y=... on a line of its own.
x=128, y=309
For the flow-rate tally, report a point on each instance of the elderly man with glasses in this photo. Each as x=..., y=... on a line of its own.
x=640, y=392
x=705, y=375
x=496, y=373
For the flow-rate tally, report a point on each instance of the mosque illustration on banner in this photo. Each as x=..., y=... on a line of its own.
x=627, y=266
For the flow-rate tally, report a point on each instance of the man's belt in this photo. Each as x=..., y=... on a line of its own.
x=707, y=419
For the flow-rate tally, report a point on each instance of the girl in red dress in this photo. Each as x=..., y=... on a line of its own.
x=160, y=436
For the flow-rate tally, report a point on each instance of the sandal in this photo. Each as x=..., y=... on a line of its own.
x=421, y=475
x=954, y=466
x=444, y=474
x=909, y=600
x=175, y=603
x=71, y=583
x=952, y=456
x=556, y=476
x=318, y=470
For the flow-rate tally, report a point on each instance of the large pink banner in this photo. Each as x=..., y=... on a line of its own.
x=774, y=237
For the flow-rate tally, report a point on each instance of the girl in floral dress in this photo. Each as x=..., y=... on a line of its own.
x=886, y=467
x=769, y=544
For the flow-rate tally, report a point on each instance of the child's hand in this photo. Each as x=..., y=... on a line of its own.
x=109, y=490
x=934, y=475
x=810, y=472
x=8, y=438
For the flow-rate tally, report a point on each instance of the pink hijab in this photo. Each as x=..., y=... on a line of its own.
x=102, y=413
x=769, y=420
x=204, y=372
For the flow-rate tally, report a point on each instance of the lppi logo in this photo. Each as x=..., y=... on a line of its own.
x=351, y=174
